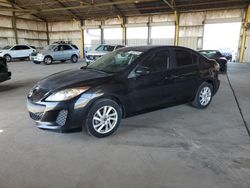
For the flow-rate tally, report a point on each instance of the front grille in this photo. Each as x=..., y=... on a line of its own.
x=36, y=116
x=92, y=57
x=61, y=118
x=37, y=94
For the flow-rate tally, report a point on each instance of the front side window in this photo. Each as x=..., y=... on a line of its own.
x=159, y=61
x=116, y=61
x=50, y=47
x=183, y=58
x=16, y=48
x=24, y=47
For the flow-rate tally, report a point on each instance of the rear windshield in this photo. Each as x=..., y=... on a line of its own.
x=107, y=48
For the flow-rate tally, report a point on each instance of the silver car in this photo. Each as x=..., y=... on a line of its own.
x=56, y=52
x=101, y=50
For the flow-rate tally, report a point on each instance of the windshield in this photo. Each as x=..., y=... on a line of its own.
x=211, y=54
x=106, y=48
x=6, y=47
x=50, y=47
x=116, y=61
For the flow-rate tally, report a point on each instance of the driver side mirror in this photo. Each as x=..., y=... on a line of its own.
x=142, y=70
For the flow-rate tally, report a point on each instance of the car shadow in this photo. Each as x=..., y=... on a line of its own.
x=8, y=86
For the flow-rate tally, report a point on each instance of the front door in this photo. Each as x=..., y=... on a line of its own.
x=154, y=88
x=58, y=53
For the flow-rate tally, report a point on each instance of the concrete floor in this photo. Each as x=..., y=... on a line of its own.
x=178, y=147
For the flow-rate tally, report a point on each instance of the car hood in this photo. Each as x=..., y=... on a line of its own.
x=97, y=53
x=44, y=51
x=71, y=78
x=2, y=51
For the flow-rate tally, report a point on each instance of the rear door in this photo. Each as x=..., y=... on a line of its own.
x=185, y=73
x=68, y=52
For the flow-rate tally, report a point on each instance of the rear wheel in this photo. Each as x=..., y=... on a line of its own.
x=74, y=59
x=48, y=60
x=203, y=96
x=103, y=118
x=7, y=57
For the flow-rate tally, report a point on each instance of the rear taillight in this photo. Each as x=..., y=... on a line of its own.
x=217, y=66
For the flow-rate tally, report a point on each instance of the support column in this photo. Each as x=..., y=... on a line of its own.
x=102, y=33
x=177, y=19
x=14, y=26
x=149, y=30
x=82, y=38
x=47, y=32
x=124, y=32
x=244, y=34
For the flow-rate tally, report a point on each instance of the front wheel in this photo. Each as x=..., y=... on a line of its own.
x=8, y=58
x=48, y=60
x=103, y=118
x=203, y=96
x=74, y=58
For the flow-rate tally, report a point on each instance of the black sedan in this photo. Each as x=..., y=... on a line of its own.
x=217, y=56
x=122, y=83
x=4, y=73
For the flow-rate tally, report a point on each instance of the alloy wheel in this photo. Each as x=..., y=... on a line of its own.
x=205, y=96
x=105, y=119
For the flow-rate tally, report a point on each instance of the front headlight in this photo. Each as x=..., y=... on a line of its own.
x=66, y=94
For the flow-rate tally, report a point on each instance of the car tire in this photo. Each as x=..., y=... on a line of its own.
x=203, y=96
x=74, y=59
x=103, y=118
x=48, y=60
x=8, y=58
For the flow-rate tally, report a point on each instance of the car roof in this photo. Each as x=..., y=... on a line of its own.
x=152, y=47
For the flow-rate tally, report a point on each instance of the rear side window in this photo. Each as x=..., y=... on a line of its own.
x=74, y=46
x=67, y=47
x=183, y=58
x=159, y=61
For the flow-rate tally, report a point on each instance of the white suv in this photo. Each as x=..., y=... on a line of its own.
x=16, y=52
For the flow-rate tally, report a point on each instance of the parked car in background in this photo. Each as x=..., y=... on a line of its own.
x=120, y=84
x=4, y=73
x=16, y=52
x=217, y=56
x=56, y=52
x=227, y=53
x=101, y=50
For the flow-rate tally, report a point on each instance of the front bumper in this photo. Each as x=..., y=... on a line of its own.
x=5, y=76
x=60, y=116
x=37, y=58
